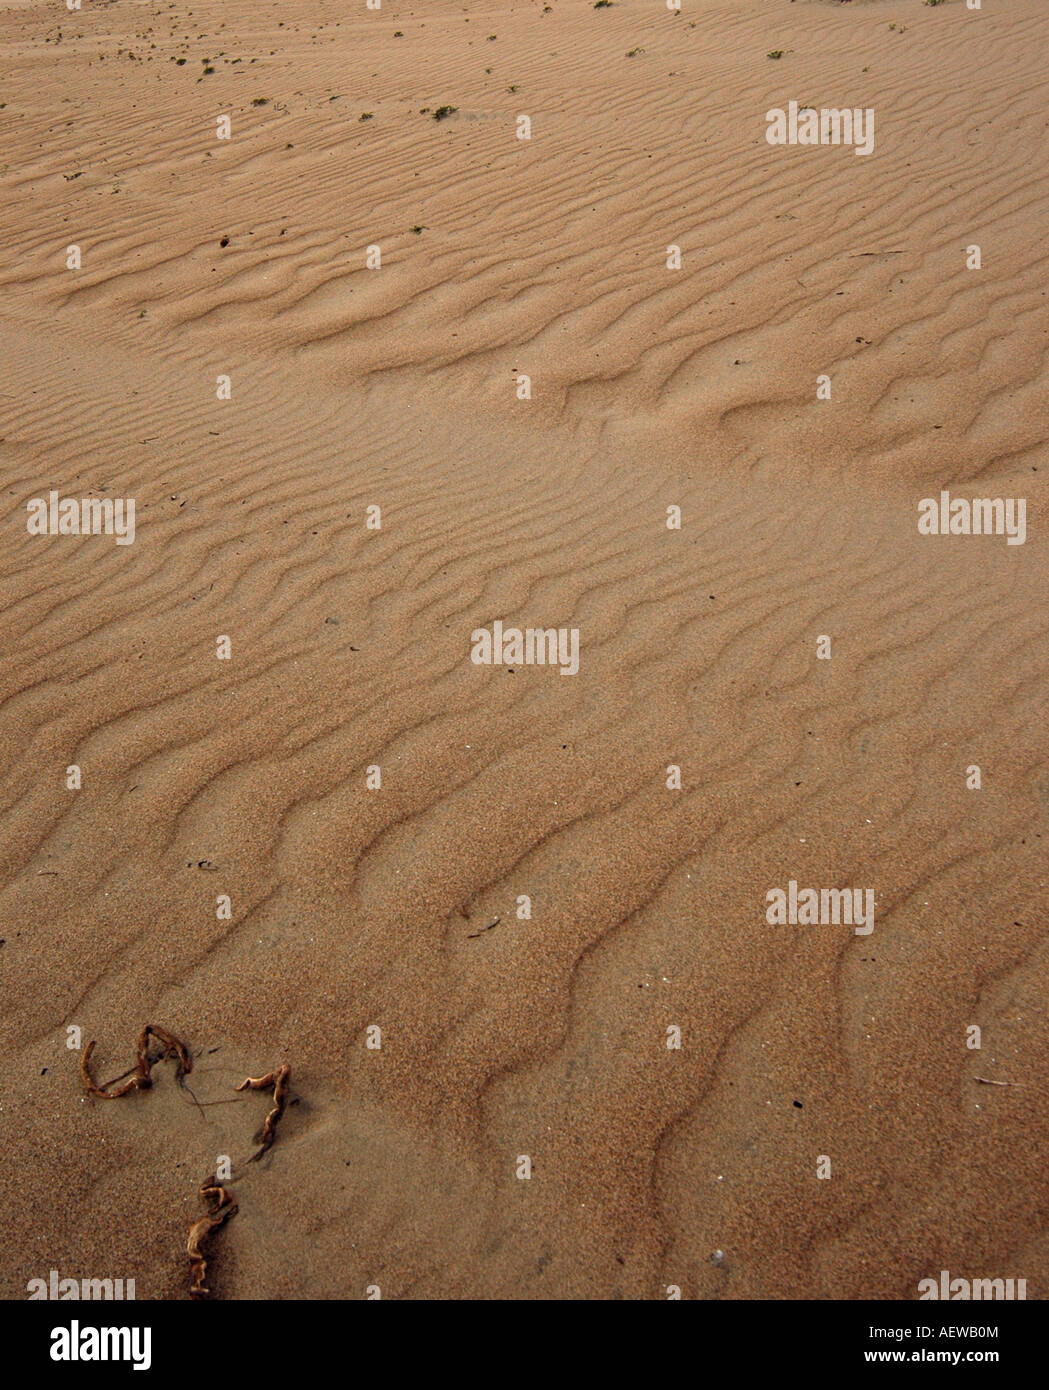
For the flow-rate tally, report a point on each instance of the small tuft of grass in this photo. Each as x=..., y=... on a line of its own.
x=418, y=229
x=603, y=5
x=634, y=52
x=776, y=53
x=260, y=101
x=367, y=115
x=443, y=111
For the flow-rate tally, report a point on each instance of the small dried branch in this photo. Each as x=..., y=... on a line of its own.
x=221, y=1207
x=141, y=1080
x=278, y=1079
x=471, y=934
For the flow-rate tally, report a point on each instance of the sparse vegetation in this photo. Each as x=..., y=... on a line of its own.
x=367, y=115
x=260, y=101
x=634, y=52
x=776, y=53
x=443, y=111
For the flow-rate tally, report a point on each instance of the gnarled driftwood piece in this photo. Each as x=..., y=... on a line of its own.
x=278, y=1079
x=141, y=1079
x=221, y=1207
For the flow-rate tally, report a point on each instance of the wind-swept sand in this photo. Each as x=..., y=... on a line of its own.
x=651, y=387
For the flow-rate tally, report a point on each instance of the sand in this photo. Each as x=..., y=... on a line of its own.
x=352, y=908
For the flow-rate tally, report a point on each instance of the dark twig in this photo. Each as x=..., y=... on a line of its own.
x=471, y=934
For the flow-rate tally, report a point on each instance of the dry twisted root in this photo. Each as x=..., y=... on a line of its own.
x=221, y=1207
x=173, y=1047
x=141, y=1080
x=278, y=1079
x=221, y=1204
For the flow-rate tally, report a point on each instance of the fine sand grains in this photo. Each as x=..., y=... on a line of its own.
x=224, y=356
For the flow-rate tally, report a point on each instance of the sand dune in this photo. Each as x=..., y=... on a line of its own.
x=397, y=388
